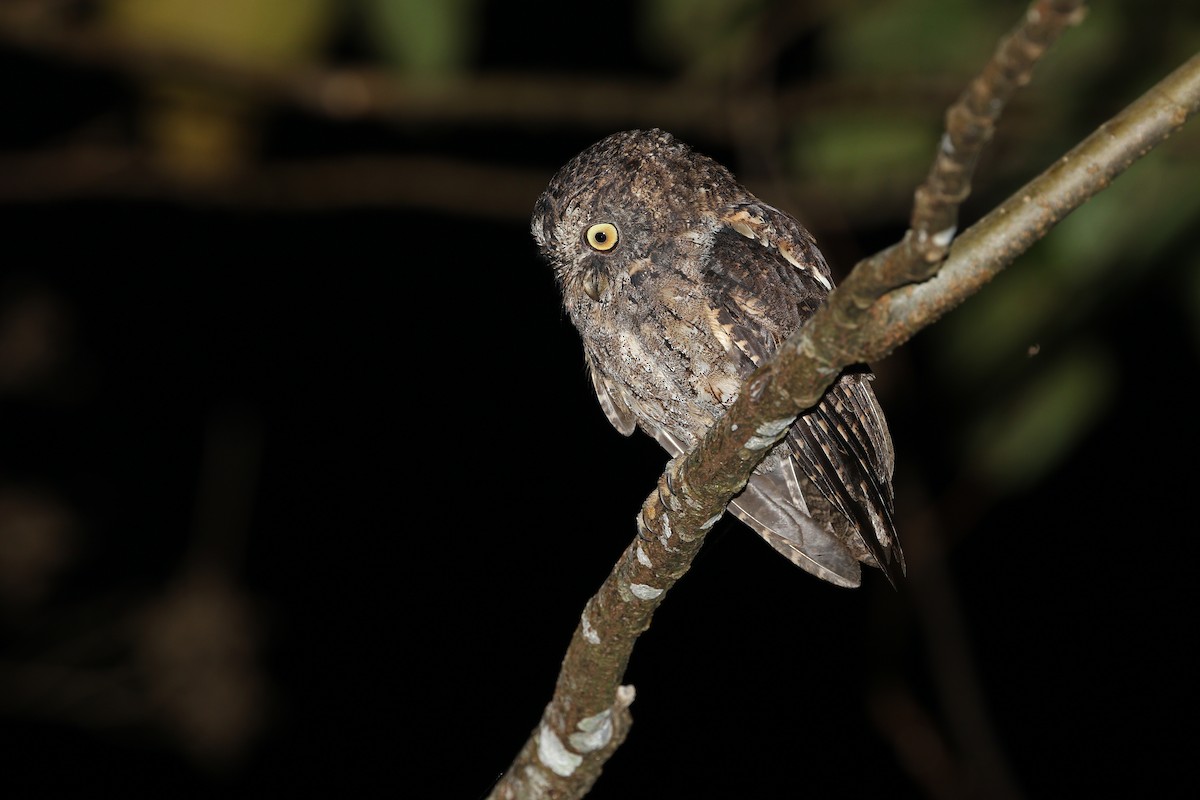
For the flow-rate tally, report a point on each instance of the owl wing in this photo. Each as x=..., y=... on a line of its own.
x=845, y=452
x=773, y=505
x=824, y=497
x=612, y=400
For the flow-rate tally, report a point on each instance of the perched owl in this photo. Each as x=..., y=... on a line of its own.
x=681, y=282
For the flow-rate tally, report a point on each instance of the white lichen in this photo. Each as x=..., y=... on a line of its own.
x=643, y=592
x=594, y=732
x=537, y=780
x=765, y=434
x=642, y=558
x=589, y=633
x=558, y=759
x=708, y=523
x=943, y=238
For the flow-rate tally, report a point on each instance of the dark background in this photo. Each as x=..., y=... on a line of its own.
x=305, y=488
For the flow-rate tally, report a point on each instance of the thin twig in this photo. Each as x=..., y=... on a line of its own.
x=439, y=183
x=970, y=123
x=992, y=243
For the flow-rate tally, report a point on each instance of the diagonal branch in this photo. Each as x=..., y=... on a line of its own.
x=970, y=123
x=995, y=241
x=588, y=717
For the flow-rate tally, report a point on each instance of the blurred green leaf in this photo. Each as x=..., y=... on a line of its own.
x=999, y=325
x=707, y=37
x=1090, y=259
x=1040, y=424
x=1110, y=34
x=1119, y=233
x=859, y=148
x=1082, y=54
x=930, y=36
x=423, y=37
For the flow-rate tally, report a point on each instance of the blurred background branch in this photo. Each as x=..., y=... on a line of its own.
x=699, y=103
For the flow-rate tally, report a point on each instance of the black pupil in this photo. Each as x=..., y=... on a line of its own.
x=601, y=237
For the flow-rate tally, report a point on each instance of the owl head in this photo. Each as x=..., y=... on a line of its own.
x=624, y=199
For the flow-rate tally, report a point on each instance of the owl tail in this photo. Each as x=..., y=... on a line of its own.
x=773, y=506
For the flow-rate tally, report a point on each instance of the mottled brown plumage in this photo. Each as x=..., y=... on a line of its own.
x=680, y=282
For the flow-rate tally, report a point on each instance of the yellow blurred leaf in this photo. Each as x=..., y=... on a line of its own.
x=200, y=134
x=266, y=31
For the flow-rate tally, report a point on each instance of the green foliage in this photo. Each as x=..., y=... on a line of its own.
x=937, y=37
x=860, y=150
x=1038, y=423
x=1095, y=258
x=420, y=37
x=706, y=37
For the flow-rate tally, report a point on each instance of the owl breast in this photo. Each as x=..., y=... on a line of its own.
x=655, y=337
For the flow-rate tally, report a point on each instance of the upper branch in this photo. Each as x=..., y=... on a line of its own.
x=997, y=239
x=970, y=123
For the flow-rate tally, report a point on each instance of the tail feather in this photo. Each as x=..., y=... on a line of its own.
x=772, y=505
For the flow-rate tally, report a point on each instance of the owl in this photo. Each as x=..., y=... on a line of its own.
x=680, y=282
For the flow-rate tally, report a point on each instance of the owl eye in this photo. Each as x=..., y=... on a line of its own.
x=602, y=236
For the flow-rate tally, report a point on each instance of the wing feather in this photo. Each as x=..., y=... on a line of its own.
x=841, y=449
x=612, y=400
